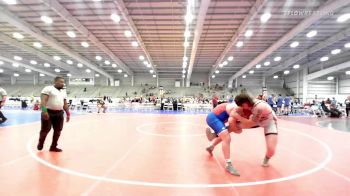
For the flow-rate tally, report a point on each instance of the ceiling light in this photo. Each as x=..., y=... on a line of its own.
x=294, y=44
x=183, y=71
x=85, y=44
x=213, y=76
x=17, y=35
x=325, y=58
x=277, y=58
x=57, y=70
x=217, y=71
x=336, y=51
x=127, y=33
x=33, y=62
x=184, y=66
x=114, y=65
x=98, y=58
x=185, y=58
x=251, y=71
x=1, y=71
x=88, y=71
x=69, y=75
x=17, y=58
x=187, y=34
x=258, y=66
x=267, y=63
x=311, y=34
x=134, y=44
x=347, y=45
x=248, y=33
x=15, y=65
x=183, y=76
x=120, y=71
x=115, y=18
x=297, y=66
x=286, y=72
x=186, y=44
x=151, y=71
x=16, y=74
x=239, y=44
x=330, y=78
x=125, y=75
x=145, y=62
x=71, y=34
x=47, y=65
x=149, y=65
x=10, y=2
x=56, y=58
x=154, y=76
x=347, y=72
x=275, y=77
x=69, y=62
x=46, y=19
x=230, y=58
x=80, y=65
x=1, y=62
x=265, y=17
x=244, y=76
x=188, y=18
x=37, y=45
x=141, y=58
x=107, y=62
x=41, y=75
x=97, y=75
x=343, y=18
x=221, y=65
x=225, y=63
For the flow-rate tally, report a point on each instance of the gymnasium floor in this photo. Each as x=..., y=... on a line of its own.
x=163, y=154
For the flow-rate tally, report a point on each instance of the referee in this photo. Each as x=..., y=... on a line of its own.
x=53, y=102
x=3, y=96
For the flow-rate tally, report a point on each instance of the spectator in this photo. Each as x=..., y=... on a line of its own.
x=215, y=100
x=287, y=105
x=3, y=95
x=347, y=106
x=334, y=102
x=279, y=104
x=270, y=101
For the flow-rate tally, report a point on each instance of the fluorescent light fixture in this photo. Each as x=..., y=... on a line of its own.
x=17, y=35
x=275, y=77
x=1, y=62
x=10, y=2
x=217, y=71
x=134, y=44
x=98, y=58
x=185, y=58
x=311, y=34
x=107, y=62
x=248, y=33
x=330, y=78
x=213, y=76
x=230, y=58
x=251, y=71
x=347, y=45
x=46, y=19
x=239, y=44
x=57, y=70
x=186, y=44
x=183, y=71
x=347, y=72
x=114, y=65
x=127, y=33
x=221, y=65
x=336, y=51
x=88, y=71
x=47, y=65
x=151, y=71
x=297, y=66
x=37, y=45
x=244, y=76
x=115, y=18
x=145, y=62
x=15, y=65
x=154, y=76
x=323, y=59
x=17, y=58
x=148, y=65
x=69, y=75
x=85, y=44
x=187, y=34
x=120, y=71
x=225, y=63
x=71, y=34
x=1, y=71
x=277, y=58
x=33, y=62
x=80, y=65
x=267, y=63
x=16, y=74
x=343, y=18
x=28, y=70
x=56, y=58
x=183, y=76
x=294, y=44
x=97, y=75
x=258, y=66
x=125, y=75
x=69, y=62
x=286, y=72
x=141, y=58
x=41, y=75
x=265, y=17
x=188, y=18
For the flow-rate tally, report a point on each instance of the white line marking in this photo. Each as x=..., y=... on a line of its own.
x=115, y=164
x=181, y=185
x=224, y=170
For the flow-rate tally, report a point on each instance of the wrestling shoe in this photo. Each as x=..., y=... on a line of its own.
x=230, y=169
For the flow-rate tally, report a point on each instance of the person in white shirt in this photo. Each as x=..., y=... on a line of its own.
x=53, y=102
x=3, y=96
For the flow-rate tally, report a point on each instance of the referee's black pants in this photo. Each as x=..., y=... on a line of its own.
x=55, y=121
